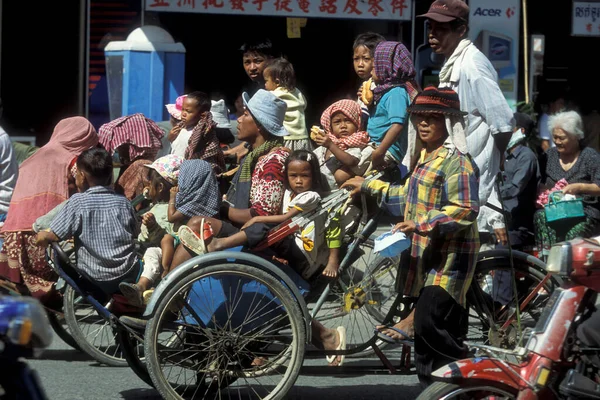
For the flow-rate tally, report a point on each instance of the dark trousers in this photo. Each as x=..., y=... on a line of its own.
x=589, y=334
x=440, y=327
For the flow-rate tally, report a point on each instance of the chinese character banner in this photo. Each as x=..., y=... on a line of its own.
x=400, y=10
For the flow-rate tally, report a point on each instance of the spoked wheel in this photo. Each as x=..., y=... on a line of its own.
x=491, y=300
x=133, y=351
x=93, y=334
x=360, y=298
x=60, y=327
x=226, y=331
x=481, y=391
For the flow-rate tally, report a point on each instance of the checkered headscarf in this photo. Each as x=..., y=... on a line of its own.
x=394, y=67
x=141, y=134
x=350, y=109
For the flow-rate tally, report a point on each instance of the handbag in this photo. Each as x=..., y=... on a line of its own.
x=559, y=209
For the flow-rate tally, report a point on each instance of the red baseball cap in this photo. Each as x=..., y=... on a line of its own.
x=447, y=10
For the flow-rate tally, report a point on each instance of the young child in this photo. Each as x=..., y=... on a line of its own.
x=301, y=195
x=157, y=232
x=195, y=137
x=103, y=224
x=363, y=53
x=341, y=144
x=393, y=73
x=197, y=193
x=280, y=79
x=439, y=203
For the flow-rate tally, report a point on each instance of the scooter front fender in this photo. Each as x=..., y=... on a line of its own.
x=481, y=369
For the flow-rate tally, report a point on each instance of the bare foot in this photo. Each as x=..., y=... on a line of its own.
x=332, y=342
x=212, y=245
x=407, y=325
x=331, y=270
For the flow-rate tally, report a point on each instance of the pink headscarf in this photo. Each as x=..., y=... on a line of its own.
x=351, y=110
x=42, y=182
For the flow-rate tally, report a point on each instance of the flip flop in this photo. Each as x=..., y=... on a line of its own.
x=388, y=339
x=191, y=239
x=342, y=346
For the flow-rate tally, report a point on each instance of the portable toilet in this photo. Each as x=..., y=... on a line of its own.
x=144, y=73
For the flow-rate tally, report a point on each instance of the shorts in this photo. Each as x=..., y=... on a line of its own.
x=132, y=276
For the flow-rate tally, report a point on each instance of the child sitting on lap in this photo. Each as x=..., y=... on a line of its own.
x=302, y=195
x=157, y=233
x=103, y=224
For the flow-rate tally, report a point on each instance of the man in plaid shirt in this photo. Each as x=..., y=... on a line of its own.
x=103, y=224
x=439, y=203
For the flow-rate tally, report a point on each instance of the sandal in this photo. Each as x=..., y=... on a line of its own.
x=192, y=240
x=132, y=293
x=388, y=339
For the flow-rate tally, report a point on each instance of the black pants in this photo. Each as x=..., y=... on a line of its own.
x=589, y=334
x=440, y=327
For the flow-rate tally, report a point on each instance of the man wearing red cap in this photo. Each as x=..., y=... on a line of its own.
x=490, y=120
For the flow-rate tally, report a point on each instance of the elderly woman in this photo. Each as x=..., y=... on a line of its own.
x=43, y=184
x=137, y=140
x=580, y=167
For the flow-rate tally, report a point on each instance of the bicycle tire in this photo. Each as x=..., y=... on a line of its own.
x=62, y=330
x=129, y=346
x=169, y=309
x=106, y=350
x=444, y=390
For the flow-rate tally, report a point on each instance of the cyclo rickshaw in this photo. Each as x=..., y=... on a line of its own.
x=238, y=324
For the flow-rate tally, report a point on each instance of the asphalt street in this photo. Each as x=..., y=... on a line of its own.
x=67, y=374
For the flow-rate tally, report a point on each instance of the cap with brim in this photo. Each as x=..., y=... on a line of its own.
x=176, y=108
x=437, y=101
x=447, y=10
x=268, y=110
x=167, y=167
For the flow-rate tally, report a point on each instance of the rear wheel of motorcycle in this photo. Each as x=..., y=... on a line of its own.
x=447, y=391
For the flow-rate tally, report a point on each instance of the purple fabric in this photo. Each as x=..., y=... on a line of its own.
x=394, y=67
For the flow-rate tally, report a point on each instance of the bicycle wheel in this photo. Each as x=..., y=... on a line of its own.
x=489, y=309
x=133, y=352
x=60, y=327
x=359, y=298
x=93, y=334
x=467, y=391
x=226, y=331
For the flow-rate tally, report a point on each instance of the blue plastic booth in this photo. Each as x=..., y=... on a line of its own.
x=144, y=73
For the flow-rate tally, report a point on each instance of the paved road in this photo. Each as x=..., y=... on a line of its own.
x=70, y=375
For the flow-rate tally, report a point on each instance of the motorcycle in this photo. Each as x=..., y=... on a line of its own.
x=24, y=332
x=553, y=363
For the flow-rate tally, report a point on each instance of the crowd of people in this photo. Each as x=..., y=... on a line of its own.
x=212, y=182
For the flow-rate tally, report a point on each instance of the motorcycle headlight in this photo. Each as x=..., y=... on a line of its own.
x=559, y=260
x=25, y=322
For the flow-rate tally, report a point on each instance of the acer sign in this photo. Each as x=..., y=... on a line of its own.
x=495, y=31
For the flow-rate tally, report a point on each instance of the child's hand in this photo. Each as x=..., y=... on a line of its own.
x=405, y=227
x=323, y=140
x=149, y=220
x=42, y=239
x=353, y=184
x=252, y=221
x=173, y=192
x=174, y=133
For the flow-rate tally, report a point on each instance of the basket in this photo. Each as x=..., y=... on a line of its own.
x=560, y=210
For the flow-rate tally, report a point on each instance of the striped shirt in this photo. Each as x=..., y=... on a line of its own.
x=441, y=197
x=104, y=226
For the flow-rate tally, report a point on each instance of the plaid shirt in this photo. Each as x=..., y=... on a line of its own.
x=104, y=227
x=441, y=196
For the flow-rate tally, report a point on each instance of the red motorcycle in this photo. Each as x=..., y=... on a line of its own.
x=555, y=363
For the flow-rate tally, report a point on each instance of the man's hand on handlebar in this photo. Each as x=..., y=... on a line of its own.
x=353, y=185
x=44, y=238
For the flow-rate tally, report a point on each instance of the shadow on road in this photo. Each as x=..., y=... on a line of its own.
x=64, y=355
x=366, y=392
x=149, y=394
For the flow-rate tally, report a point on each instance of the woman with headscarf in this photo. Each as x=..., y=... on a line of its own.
x=137, y=140
x=43, y=184
x=439, y=203
x=394, y=74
